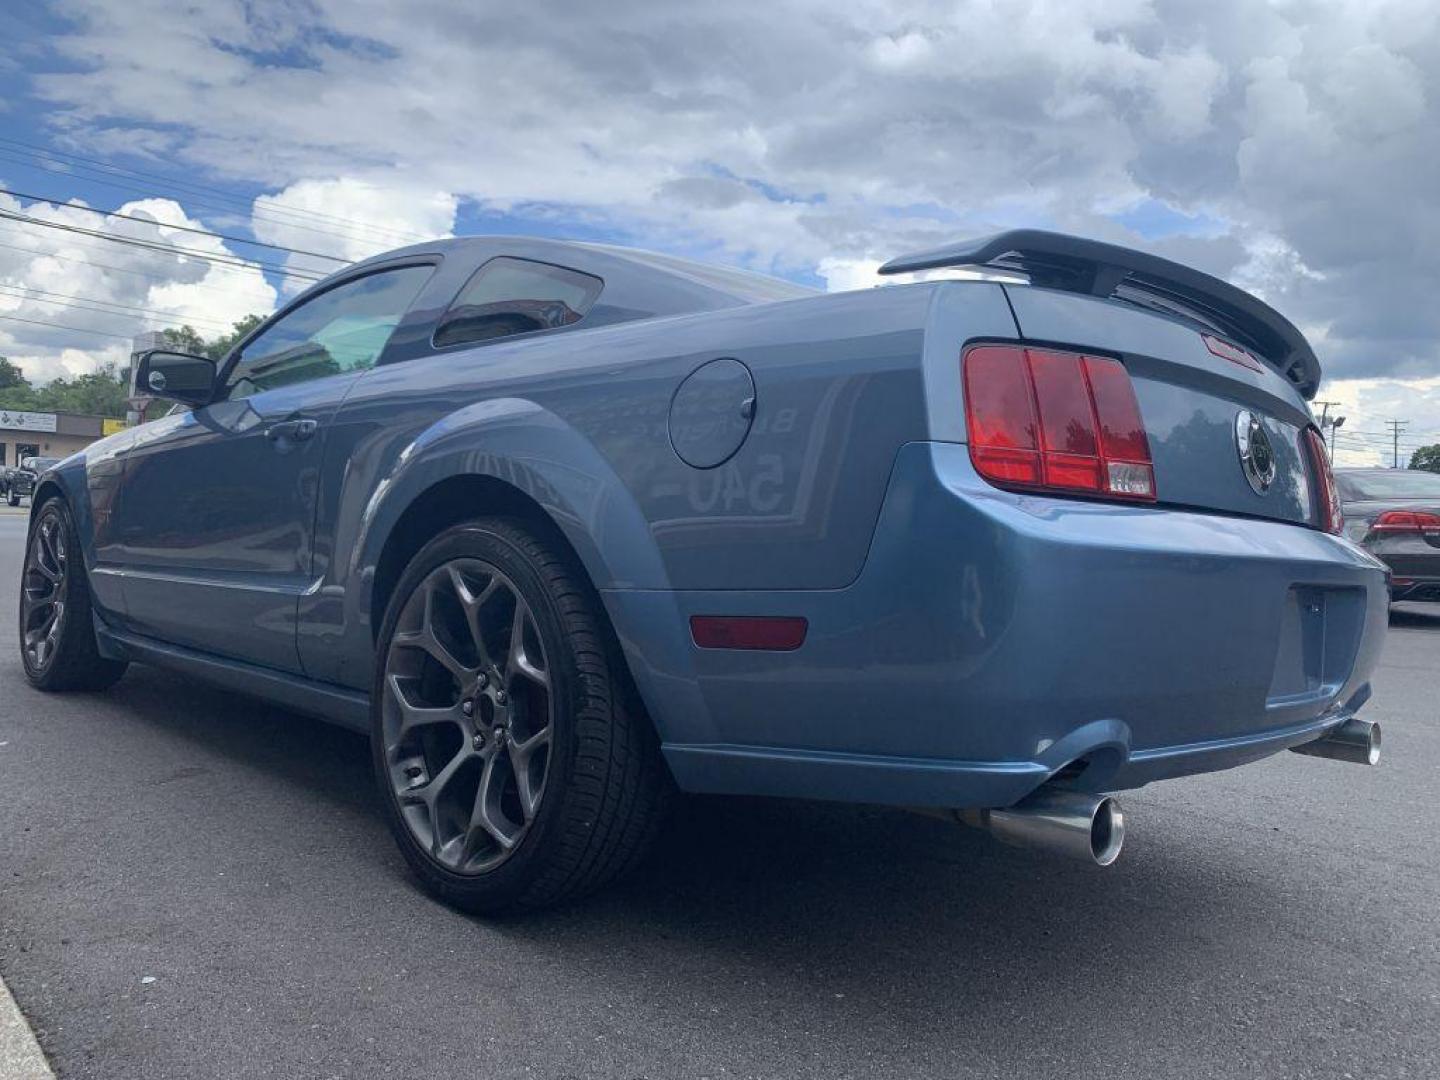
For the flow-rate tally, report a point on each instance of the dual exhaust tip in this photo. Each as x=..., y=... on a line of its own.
x=1356, y=741
x=1091, y=828
x=1086, y=827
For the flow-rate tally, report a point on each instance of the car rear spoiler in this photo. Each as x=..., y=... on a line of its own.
x=1057, y=261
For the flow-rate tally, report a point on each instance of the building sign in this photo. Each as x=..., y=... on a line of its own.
x=110, y=427
x=27, y=421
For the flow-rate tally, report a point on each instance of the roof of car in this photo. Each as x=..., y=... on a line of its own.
x=682, y=284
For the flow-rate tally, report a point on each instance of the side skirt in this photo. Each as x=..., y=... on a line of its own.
x=338, y=704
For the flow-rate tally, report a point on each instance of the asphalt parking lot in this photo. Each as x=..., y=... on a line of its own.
x=196, y=885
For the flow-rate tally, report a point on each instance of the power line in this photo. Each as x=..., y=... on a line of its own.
x=269, y=216
x=98, y=165
x=120, y=269
x=62, y=326
x=168, y=249
x=230, y=237
x=85, y=303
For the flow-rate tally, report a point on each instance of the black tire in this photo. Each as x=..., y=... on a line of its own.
x=13, y=499
x=605, y=786
x=70, y=658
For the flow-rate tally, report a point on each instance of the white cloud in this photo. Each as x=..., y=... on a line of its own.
x=350, y=218
x=806, y=136
x=125, y=289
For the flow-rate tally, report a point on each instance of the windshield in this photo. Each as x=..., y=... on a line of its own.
x=1390, y=484
x=38, y=464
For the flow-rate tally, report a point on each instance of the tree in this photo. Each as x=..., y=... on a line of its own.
x=11, y=376
x=221, y=345
x=187, y=339
x=1427, y=458
x=104, y=391
x=184, y=339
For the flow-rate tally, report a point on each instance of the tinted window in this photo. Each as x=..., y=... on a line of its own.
x=1392, y=484
x=344, y=329
x=39, y=464
x=516, y=296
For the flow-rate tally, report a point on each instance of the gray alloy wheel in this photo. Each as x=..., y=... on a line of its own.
x=467, y=716
x=516, y=764
x=44, y=592
x=57, y=624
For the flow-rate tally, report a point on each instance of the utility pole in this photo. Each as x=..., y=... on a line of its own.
x=1327, y=424
x=1396, y=426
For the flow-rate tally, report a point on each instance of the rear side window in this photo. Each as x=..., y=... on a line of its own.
x=516, y=296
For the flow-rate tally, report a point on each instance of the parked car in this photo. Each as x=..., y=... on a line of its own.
x=21, y=481
x=1395, y=514
x=563, y=526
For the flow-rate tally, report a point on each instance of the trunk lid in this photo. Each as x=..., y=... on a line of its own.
x=1207, y=361
x=1192, y=396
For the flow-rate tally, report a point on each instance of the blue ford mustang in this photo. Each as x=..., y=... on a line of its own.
x=564, y=527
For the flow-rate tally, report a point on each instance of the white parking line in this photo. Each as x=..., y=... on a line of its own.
x=20, y=1056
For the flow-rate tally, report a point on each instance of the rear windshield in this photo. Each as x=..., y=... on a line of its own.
x=1392, y=484
x=38, y=464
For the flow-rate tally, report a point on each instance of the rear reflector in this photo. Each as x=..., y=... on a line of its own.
x=1327, y=496
x=778, y=633
x=1041, y=419
x=1403, y=521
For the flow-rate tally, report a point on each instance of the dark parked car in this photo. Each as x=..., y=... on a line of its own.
x=1395, y=513
x=22, y=479
x=562, y=527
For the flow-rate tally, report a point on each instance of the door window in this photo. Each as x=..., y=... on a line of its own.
x=516, y=296
x=342, y=329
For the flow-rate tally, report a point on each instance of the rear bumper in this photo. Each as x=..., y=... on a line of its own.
x=1413, y=562
x=994, y=640
x=1415, y=589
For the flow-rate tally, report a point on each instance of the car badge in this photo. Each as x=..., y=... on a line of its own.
x=1257, y=454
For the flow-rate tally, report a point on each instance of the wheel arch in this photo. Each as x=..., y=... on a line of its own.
x=513, y=458
x=44, y=491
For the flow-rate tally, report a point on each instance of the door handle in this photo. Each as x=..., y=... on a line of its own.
x=297, y=430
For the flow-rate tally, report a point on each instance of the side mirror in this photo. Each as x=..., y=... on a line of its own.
x=174, y=376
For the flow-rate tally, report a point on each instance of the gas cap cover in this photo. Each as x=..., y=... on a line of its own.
x=711, y=413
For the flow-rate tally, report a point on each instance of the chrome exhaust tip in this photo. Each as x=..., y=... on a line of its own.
x=1355, y=740
x=1086, y=827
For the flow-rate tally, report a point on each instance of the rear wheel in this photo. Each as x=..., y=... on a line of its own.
x=57, y=629
x=516, y=765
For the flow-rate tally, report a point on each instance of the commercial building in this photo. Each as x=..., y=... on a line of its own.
x=58, y=435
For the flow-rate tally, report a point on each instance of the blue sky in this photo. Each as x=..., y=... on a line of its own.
x=1286, y=147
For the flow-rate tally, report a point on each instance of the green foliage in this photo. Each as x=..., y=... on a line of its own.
x=102, y=392
x=1427, y=458
x=187, y=340
x=11, y=375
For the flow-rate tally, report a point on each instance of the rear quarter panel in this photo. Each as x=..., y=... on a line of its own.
x=581, y=422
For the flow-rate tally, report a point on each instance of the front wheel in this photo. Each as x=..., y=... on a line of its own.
x=517, y=767
x=57, y=629
x=13, y=499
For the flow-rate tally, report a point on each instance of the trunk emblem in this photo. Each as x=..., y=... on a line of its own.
x=1257, y=454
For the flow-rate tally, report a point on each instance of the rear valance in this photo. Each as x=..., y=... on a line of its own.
x=1057, y=261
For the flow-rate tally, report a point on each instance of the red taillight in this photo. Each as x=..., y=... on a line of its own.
x=1327, y=494
x=1398, y=521
x=1056, y=421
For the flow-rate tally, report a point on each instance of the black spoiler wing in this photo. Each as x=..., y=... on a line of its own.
x=1058, y=261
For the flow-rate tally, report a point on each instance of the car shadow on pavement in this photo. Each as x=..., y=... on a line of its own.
x=875, y=915
x=1415, y=616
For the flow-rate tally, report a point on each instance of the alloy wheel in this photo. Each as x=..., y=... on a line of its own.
x=43, y=591
x=467, y=715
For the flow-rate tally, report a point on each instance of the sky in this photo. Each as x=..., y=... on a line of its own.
x=1291, y=147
